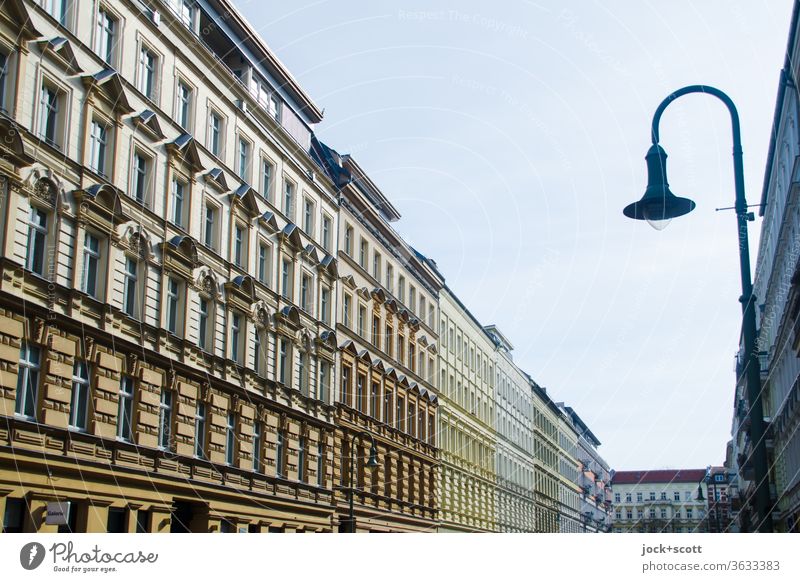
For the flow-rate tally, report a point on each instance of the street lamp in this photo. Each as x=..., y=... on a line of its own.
x=372, y=462
x=658, y=206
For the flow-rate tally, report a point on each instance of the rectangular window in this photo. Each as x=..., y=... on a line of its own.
x=412, y=299
x=205, y=331
x=376, y=266
x=50, y=115
x=390, y=278
x=376, y=331
x=173, y=306
x=239, y=244
x=324, y=381
x=264, y=263
x=301, y=459
x=165, y=420
x=104, y=40
x=130, y=300
x=200, y=431
x=347, y=304
x=98, y=144
x=387, y=406
x=267, y=173
x=362, y=254
x=401, y=413
x=283, y=362
x=286, y=278
x=324, y=305
x=362, y=321
x=280, y=455
x=79, y=403
x=346, y=388
x=401, y=288
x=125, y=410
x=327, y=227
x=141, y=178
x=243, y=165
x=360, y=379
x=302, y=372
x=210, y=221
x=258, y=354
x=348, y=240
x=308, y=217
x=230, y=438
x=28, y=381
x=677, y=496
x=305, y=293
x=236, y=337
x=180, y=202
x=374, y=400
x=320, y=465
x=183, y=107
x=389, y=341
x=257, y=447
x=288, y=199
x=4, y=67
x=216, y=130
x=148, y=63
x=275, y=107
x=37, y=241
x=91, y=264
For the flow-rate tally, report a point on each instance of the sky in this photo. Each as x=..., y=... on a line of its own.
x=510, y=135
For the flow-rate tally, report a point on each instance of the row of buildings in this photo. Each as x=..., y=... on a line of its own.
x=208, y=323
x=777, y=292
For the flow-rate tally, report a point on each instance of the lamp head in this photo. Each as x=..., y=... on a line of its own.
x=373, y=457
x=699, y=493
x=659, y=205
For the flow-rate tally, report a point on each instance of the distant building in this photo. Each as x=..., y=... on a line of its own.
x=663, y=501
x=718, y=501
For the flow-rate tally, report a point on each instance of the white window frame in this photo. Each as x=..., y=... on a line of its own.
x=80, y=399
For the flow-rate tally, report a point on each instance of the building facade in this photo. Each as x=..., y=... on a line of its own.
x=468, y=440
x=776, y=287
x=167, y=362
x=662, y=501
x=718, y=504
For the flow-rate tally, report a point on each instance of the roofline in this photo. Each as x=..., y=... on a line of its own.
x=782, y=85
x=582, y=424
x=493, y=328
x=288, y=82
x=468, y=313
x=361, y=179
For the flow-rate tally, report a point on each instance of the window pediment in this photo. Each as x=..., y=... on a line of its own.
x=180, y=253
x=328, y=265
x=60, y=49
x=216, y=177
x=100, y=204
x=241, y=292
x=244, y=197
x=269, y=221
x=108, y=86
x=349, y=281
x=184, y=149
x=148, y=121
x=15, y=13
x=11, y=144
x=291, y=235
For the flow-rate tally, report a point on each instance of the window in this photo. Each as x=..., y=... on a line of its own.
x=280, y=454
x=79, y=403
x=259, y=357
x=230, y=438
x=275, y=107
x=104, y=39
x=236, y=337
x=183, y=107
x=387, y=406
x=401, y=413
x=346, y=388
x=362, y=254
x=327, y=226
x=376, y=266
x=257, y=447
x=37, y=241
x=174, y=315
x=376, y=330
x=677, y=496
x=301, y=459
x=14, y=516
x=286, y=278
x=401, y=288
x=652, y=496
x=130, y=299
x=180, y=203
x=389, y=348
x=206, y=329
x=362, y=321
x=264, y=263
x=627, y=498
x=360, y=379
x=4, y=68
x=148, y=63
x=239, y=246
x=324, y=305
x=374, y=400
x=639, y=498
x=210, y=226
x=689, y=513
x=216, y=130
x=348, y=240
x=347, y=309
x=283, y=362
x=51, y=125
x=184, y=10
x=617, y=498
x=390, y=278
x=324, y=381
x=320, y=464
x=165, y=419
x=28, y=381
x=125, y=410
x=302, y=372
x=267, y=173
x=308, y=216
x=663, y=496
x=243, y=164
x=98, y=147
x=91, y=265
x=305, y=293
x=141, y=177
x=288, y=199
x=412, y=300
x=200, y=430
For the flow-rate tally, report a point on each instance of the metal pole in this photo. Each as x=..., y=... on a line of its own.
x=351, y=525
x=758, y=458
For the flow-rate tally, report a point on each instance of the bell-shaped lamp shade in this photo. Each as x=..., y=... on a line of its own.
x=699, y=496
x=373, y=457
x=658, y=206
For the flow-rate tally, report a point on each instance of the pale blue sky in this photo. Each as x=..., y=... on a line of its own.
x=510, y=135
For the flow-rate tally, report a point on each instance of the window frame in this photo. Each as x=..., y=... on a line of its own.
x=28, y=381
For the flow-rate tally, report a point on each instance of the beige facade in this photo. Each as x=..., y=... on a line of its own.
x=468, y=441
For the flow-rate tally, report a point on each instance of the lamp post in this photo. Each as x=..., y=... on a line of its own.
x=658, y=206
x=372, y=462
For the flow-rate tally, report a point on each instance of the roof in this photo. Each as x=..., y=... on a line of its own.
x=658, y=476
